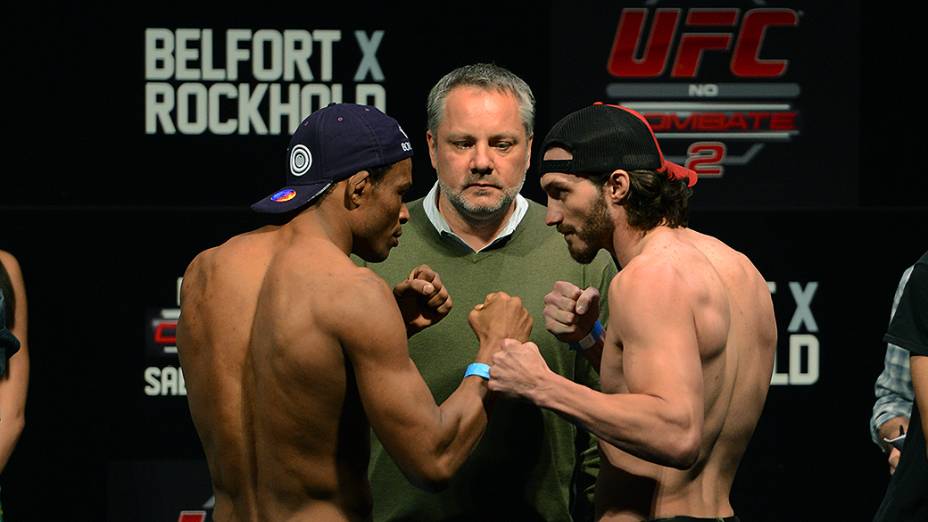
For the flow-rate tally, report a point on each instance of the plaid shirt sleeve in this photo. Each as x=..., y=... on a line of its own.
x=893, y=387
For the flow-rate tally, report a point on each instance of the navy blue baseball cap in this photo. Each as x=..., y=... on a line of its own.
x=332, y=144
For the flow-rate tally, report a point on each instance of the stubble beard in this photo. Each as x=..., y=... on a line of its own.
x=596, y=229
x=480, y=213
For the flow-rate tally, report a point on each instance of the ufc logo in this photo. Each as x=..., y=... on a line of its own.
x=624, y=61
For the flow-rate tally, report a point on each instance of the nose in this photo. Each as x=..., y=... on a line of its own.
x=404, y=214
x=554, y=215
x=481, y=162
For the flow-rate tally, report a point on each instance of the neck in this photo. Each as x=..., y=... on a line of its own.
x=320, y=223
x=477, y=233
x=628, y=242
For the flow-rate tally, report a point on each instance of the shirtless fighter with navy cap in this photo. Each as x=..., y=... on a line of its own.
x=292, y=353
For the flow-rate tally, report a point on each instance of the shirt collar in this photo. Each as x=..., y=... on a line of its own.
x=430, y=203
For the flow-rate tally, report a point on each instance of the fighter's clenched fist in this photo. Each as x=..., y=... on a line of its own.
x=571, y=312
x=499, y=317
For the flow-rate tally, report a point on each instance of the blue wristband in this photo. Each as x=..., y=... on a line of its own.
x=591, y=338
x=478, y=369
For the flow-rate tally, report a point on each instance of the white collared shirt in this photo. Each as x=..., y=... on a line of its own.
x=430, y=204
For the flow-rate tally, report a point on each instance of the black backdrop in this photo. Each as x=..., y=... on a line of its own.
x=104, y=217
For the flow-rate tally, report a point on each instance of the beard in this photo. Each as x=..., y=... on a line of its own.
x=595, y=230
x=479, y=212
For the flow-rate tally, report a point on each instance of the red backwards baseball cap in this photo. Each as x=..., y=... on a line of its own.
x=603, y=138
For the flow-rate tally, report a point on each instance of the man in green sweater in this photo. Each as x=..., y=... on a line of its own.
x=475, y=230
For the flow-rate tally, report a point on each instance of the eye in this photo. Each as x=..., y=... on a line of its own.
x=504, y=145
x=463, y=144
x=555, y=192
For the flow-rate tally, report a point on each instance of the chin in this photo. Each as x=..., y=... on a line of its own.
x=486, y=205
x=379, y=256
x=373, y=255
x=584, y=255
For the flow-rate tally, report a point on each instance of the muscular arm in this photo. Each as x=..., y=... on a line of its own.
x=428, y=442
x=660, y=418
x=13, y=386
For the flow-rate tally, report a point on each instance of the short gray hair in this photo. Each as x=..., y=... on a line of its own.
x=486, y=76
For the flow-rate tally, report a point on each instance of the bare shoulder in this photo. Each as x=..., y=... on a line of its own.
x=363, y=311
x=199, y=263
x=361, y=291
x=647, y=276
x=196, y=274
x=745, y=287
x=242, y=250
x=236, y=253
x=726, y=259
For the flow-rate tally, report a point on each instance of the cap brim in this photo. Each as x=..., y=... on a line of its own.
x=291, y=197
x=680, y=172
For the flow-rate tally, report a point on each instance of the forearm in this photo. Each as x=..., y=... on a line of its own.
x=463, y=419
x=643, y=425
x=464, y=414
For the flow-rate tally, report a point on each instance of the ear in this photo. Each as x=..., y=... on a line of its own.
x=357, y=188
x=433, y=144
x=617, y=186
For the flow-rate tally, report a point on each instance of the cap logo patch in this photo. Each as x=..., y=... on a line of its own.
x=283, y=196
x=300, y=160
x=406, y=146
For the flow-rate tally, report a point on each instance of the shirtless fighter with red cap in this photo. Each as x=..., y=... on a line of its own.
x=687, y=355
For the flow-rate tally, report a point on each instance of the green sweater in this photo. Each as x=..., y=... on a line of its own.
x=525, y=466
